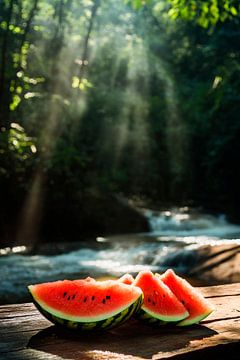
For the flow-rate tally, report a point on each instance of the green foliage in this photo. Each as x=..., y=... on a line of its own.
x=203, y=12
x=137, y=4
x=19, y=143
x=18, y=153
x=120, y=100
x=16, y=142
x=82, y=84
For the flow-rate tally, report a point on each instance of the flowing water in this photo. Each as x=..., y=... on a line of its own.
x=172, y=242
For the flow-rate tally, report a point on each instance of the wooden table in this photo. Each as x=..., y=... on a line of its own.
x=25, y=334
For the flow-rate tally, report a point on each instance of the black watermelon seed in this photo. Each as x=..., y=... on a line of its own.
x=108, y=297
x=149, y=300
x=85, y=299
x=103, y=301
x=93, y=297
x=153, y=302
x=69, y=297
x=183, y=302
x=64, y=294
x=73, y=297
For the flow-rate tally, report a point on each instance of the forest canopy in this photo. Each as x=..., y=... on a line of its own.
x=131, y=97
x=203, y=12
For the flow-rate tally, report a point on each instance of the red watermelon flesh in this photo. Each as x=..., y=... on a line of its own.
x=84, y=300
x=159, y=300
x=197, y=306
x=127, y=279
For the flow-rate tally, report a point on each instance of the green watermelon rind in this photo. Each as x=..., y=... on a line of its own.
x=194, y=320
x=162, y=317
x=156, y=319
x=88, y=324
x=147, y=319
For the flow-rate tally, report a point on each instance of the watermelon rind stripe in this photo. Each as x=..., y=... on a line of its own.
x=147, y=319
x=103, y=324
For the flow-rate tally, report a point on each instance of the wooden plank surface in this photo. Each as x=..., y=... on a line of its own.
x=25, y=334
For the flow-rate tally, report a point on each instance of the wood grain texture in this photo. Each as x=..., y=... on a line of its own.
x=25, y=334
x=221, y=290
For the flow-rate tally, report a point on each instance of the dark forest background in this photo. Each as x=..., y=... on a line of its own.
x=107, y=100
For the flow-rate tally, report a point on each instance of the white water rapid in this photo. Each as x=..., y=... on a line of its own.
x=175, y=235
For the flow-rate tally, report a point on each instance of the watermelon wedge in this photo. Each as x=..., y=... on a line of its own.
x=126, y=279
x=160, y=305
x=197, y=306
x=87, y=304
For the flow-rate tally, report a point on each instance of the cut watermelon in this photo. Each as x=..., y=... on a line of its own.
x=197, y=306
x=160, y=304
x=126, y=279
x=87, y=304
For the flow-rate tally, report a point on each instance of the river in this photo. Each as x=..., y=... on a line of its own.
x=172, y=242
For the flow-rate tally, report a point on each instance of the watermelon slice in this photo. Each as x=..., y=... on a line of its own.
x=160, y=304
x=87, y=304
x=197, y=306
x=126, y=279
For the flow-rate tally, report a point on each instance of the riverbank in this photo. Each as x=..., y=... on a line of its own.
x=219, y=264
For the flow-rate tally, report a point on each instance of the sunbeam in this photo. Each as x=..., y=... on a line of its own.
x=31, y=214
x=175, y=132
x=132, y=122
x=104, y=97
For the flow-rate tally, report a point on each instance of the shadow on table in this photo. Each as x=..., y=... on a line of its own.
x=129, y=340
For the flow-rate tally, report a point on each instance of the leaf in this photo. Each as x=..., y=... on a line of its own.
x=75, y=82
x=233, y=11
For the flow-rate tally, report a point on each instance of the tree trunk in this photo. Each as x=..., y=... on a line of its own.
x=27, y=27
x=85, y=52
x=4, y=83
